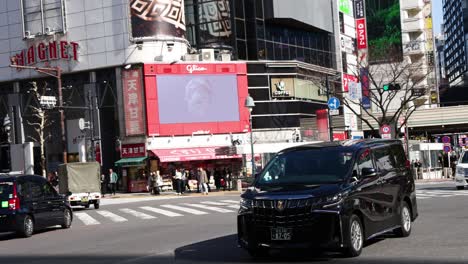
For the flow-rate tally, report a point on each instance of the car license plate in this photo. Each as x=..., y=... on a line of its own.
x=281, y=233
x=84, y=199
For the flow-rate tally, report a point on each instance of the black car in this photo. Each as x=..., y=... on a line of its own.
x=333, y=195
x=29, y=202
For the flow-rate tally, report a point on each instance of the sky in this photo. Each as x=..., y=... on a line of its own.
x=437, y=15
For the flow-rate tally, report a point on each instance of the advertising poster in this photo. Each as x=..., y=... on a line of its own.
x=133, y=102
x=152, y=18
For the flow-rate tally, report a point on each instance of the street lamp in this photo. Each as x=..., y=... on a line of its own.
x=250, y=104
x=7, y=127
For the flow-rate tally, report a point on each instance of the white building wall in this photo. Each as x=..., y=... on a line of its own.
x=100, y=27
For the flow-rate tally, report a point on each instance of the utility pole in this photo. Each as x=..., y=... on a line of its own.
x=55, y=72
x=329, y=117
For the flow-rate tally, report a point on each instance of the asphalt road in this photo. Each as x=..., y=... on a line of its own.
x=189, y=230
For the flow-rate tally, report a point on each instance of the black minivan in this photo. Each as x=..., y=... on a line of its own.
x=29, y=202
x=333, y=195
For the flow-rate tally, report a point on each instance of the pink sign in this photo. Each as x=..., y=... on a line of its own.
x=133, y=102
x=188, y=154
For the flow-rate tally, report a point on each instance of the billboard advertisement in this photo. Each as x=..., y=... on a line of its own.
x=153, y=18
x=188, y=99
x=384, y=30
x=214, y=18
x=133, y=102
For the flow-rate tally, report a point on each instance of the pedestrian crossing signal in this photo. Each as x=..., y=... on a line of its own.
x=391, y=87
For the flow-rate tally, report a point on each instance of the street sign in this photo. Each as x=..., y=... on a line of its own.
x=333, y=103
x=385, y=130
x=447, y=148
x=334, y=112
x=446, y=139
x=386, y=136
x=355, y=91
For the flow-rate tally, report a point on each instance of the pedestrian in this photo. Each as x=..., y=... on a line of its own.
x=149, y=184
x=113, y=178
x=217, y=179
x=202, y=180
x=104, y=183
x=178, y=181
x=183, y=180
x=418, y=166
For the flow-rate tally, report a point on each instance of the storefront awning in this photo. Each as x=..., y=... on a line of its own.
x=190, y=154
x=130, y=162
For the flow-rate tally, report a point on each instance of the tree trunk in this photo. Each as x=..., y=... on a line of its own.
x=42, y=144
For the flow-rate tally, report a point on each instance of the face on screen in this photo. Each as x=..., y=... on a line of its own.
x=197, y=98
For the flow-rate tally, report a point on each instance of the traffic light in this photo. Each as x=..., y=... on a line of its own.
x=391, y=87
x=434, y=97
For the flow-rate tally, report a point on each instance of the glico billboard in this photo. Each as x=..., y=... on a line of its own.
x=193, y=98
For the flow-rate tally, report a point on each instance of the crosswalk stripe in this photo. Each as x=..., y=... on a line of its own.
x=214, y=203
x=230, y=201
x=113, y=217
x=432, y=195
x=184, y=209
x=160, y=211
x=447, y=193
x=211, y=208
x=86, y=219
x=137, y=214
x=418, y=197
x=233, y=206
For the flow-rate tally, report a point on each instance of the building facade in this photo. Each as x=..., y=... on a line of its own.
x=132, y=79
x=456, y=44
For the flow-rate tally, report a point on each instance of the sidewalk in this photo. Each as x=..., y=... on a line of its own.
x=434, y=181
x=168, y=194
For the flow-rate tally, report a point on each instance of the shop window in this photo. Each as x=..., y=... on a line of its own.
x=43, y=17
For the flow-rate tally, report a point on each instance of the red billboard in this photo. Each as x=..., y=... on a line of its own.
x=133, y=102
x=133, y=150
x=361, y=33
x=196, y=98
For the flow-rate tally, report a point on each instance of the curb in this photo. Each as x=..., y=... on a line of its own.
x=171, y=195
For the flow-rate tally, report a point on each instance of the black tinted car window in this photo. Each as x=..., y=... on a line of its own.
x=6, y=190
x=365, y=160
x=48, y=190
x=384, y=159
x=399, y=154
x=24, y=191
x=36, y=190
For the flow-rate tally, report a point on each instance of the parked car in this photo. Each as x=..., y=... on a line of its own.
x=461, y=171
x=29, y=203
x=333, y=195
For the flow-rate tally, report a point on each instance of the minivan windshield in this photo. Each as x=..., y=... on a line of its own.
x=307, y=167
x=464, y=158
x=6, y=190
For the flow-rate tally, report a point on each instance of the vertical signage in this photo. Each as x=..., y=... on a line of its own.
x=362, y=47
x=133, y=102
x=361, y=33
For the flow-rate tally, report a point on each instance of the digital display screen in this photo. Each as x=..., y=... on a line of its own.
x=197, y=98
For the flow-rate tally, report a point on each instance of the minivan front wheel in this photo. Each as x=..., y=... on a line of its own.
x=405, y=221
x=67, y=219
x=26, y=227
x=354, y=237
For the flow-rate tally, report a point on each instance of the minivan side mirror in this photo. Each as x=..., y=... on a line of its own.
x=368, y=172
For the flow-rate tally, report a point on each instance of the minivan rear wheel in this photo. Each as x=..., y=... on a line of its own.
x=354, y=237
x=405, y=221
x=26, y=227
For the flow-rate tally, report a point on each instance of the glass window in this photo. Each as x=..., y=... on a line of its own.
x=259, y=8
x=43, y=17
x=311, y=166
x=240, y=29
x=6, y=190
x=36, y=190
x=48, y=190
x=384, y=159
x=24, y=191
x=399, y=154
x=241, y=50
x=239, y=7
x=269, y=51
x=365, y=160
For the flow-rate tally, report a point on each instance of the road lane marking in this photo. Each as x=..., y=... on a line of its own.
x=86, y=219
x=137, y=214
x=113, y=217
x=214, y=203
x=235, y=206
x=211, y=208
x=445, y=193
x=160, y=211
x=230, y=201
x=184, y=209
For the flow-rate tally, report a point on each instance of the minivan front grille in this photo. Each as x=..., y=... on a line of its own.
x=285, y=213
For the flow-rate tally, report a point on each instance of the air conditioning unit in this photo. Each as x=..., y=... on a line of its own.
x=27, y=34
x=225, y=56
x=208, y=54
x=192, y=57
x=48, y=31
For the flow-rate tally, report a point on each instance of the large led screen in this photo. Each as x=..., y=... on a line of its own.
x=384, y=30
x=197, y=99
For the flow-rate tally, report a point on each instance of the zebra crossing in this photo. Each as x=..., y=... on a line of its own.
x=428, y=194
x=101, y=216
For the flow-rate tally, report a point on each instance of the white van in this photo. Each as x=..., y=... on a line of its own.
x=461, y=173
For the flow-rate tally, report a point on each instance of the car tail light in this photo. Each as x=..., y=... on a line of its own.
x=14, y=203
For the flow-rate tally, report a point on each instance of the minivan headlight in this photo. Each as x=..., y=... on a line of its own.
x=330, y=201
x=245, y=205
x=460, y=171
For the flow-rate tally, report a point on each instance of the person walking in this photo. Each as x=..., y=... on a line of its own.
x=178, y=181
x=149, y=184
x=183, y=180
x=104, y=183
x=202, y=180
x=113, y=181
